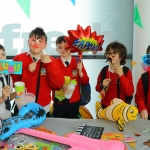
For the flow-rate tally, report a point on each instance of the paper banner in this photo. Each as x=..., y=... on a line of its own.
x=25, y=5
x=10, y=67
x=137, y=18
x=132, y=144
x=73, y=2
x=133, y=63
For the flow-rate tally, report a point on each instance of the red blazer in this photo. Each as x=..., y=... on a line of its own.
x=50, y=77
x=126, y=86
x=140, y=96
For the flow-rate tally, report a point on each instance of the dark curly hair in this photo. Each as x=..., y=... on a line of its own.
x=148, y=50
x=118, y=48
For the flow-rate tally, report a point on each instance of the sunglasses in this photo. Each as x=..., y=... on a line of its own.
x=113, y=54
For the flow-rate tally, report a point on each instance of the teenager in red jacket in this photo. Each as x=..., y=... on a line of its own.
x=115, y=53
x=142, y=100
x=36, y=63
x=73, y=70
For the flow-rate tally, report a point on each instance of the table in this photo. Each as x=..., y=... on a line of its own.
x=64, y=126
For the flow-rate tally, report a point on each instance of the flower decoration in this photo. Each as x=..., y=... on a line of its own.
x=83, y=40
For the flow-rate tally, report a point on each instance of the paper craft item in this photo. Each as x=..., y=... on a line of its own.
x=112, y=136
x=26, y=146
x=44, y=146
x=146, y=130
x=103, y=93
x=10, y=67
x=130, y=139
x=131, y=142
x=118, y=111
x=43, y=129
x=90, y=131
x=59, y=93
x=147, y=143
x=136, y=134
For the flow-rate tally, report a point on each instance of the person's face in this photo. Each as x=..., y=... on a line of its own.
x=114, y=57
x=2, y=55
x=37, y=45
x=62, y=51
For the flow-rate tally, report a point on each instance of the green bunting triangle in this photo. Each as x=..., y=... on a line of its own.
x=137, y=18
x=25, y=5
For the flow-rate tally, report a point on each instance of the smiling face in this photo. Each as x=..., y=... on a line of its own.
x=37, y=45
x=121, y=53
x=114, y=58
x=112, y=136
x=132, y=113
x=64, y=53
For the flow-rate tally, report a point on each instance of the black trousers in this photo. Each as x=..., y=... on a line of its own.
x=70, y=110
x=148, y=117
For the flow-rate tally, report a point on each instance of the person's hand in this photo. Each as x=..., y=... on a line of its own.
x=45, y=58
x=118, y=70
x=106, y=82
x=5, y=92
x=79, y=66
x=64, y=88
x=32, y=66
x=144, y=114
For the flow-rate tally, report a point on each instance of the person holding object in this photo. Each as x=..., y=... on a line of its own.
x=70, y=89
x=40, y=72
x=112, y=76
x=142, y=95
x=6, y=90
x=66, y=101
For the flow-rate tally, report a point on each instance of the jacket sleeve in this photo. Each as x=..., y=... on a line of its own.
x=140, y=96
x=84, y=79
x=126, y=84
x=55, y=76
x=98, y=84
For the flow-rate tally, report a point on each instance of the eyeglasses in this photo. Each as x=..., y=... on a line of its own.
x=113, y=54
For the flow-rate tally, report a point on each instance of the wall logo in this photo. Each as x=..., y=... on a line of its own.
x=9, y=33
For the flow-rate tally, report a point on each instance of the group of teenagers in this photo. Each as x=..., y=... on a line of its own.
x=43, y=75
